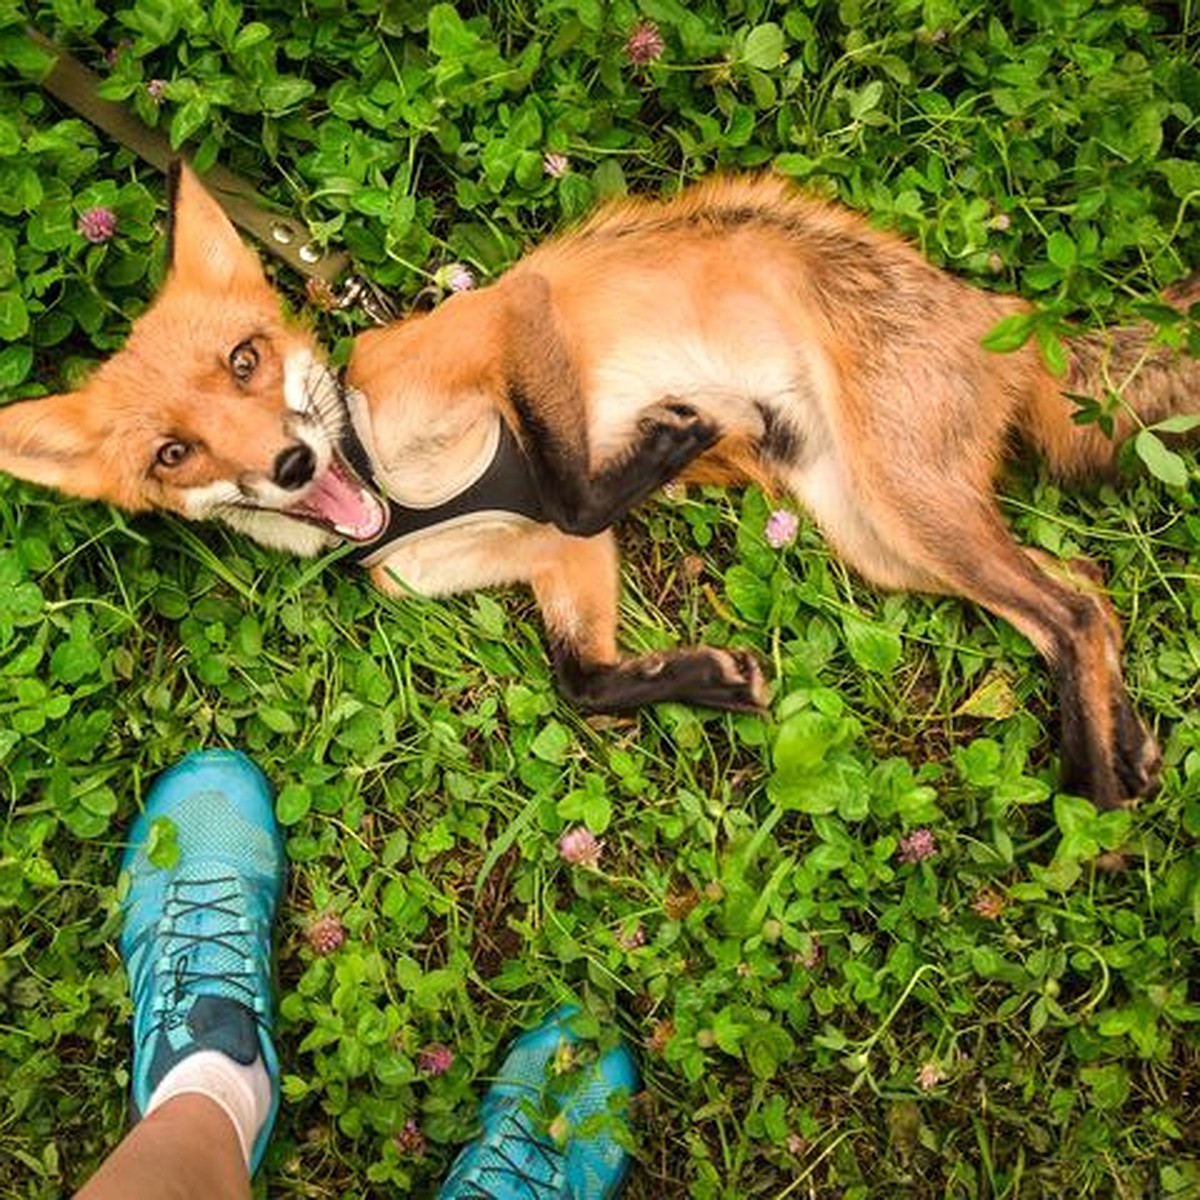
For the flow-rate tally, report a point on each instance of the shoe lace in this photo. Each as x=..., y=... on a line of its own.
x=190, y=951
x=505, y=1168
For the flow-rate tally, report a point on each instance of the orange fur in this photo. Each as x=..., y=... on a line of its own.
x=737, y=332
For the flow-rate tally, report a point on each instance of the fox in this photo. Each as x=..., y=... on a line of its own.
x=741, y=331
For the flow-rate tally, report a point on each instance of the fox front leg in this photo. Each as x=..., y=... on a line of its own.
x=576, y=587
x=543, y=394
x=670, y=436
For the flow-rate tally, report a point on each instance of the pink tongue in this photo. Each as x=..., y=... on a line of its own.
x=343, y=505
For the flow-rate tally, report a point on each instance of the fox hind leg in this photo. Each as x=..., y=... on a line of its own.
x=1108, y=754
x=914, y=514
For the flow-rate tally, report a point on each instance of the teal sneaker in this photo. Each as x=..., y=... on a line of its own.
x=197, y=935
x=532, y=1146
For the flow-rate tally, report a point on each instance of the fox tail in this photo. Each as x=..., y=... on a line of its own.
x=1153, y=380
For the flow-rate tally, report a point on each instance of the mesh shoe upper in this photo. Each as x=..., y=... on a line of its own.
x=197, y=934
x=532, y=1146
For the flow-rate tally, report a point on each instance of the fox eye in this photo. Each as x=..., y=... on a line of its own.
x=172, y=453
x=243, y=360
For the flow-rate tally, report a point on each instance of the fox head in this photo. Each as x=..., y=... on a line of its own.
x=216, y=407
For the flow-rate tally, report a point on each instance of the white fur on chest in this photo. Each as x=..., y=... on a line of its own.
x=424, y=453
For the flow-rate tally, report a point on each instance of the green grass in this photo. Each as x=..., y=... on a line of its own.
x=794, y=977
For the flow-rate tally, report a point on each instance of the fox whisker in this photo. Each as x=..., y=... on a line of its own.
x=323, y=398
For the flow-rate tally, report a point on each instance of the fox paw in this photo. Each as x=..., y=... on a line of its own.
x=1138, y=760
x=673, y=434
x=1125, y=772
x=727, y=679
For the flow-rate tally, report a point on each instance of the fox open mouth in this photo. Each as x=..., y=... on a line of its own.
x=338, y=501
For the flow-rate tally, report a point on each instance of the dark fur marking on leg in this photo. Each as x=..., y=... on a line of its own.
x=723, y=679
x=1081, y=773
x=1113, y=771
x=670, y=436
x=1138, y=758
x=781, y=442
x=1108, y=755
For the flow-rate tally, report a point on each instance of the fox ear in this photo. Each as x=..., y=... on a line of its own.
x=47, y=442
x=203, y=247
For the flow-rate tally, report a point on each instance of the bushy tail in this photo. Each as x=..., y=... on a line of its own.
x=1153, y=380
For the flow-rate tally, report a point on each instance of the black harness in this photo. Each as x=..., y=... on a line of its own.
x=506, y=486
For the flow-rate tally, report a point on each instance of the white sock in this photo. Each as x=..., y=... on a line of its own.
x=244, y=1093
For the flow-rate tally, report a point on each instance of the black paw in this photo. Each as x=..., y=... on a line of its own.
x=1119, y=775
x=673, y=434
x=1138, y=760
x=726, y=679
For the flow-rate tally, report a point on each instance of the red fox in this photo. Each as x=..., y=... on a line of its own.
x=740, y=331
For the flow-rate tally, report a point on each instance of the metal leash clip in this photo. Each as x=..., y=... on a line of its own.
x=370, y=297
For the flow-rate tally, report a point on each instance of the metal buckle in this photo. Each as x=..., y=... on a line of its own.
x=372, y=299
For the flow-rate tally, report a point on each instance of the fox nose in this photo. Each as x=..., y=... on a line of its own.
x=294, y=466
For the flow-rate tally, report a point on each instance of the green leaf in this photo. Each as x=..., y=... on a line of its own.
x=1010, y=333
x=798, y=166
x=1073, y=814
x=764, y=47
x=293, y=803
x=251, y=35
x=162, y=844
x=158, y=20
x=875, y=648
x=1116, y=1022
x=74, y=659
x=1060, y=250
x=1054, y=352
x=14, y=317
x=766, y=1048
x=1182, y=176
x=1161, y=462
x=729, y=1027
x=589, y=804
x=552, y=743
x=804, y=739
x=1109, y=1085
x=284, y=93
x=276, y=719
x=101, y=801
x=1111, y=828
x=1179, y=423
x=865, y=99
x=609, y=179
x=373, y=202
x=448, y=35
x=749, y=594
x=10, y=138
x=525, y=128
x=828, y=857
x=188, y=118
x=24, y=55
x=979, y=761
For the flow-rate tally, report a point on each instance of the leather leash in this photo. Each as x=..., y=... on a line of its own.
x=287, y=239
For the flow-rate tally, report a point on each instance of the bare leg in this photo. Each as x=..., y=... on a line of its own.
x=186, y=1149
